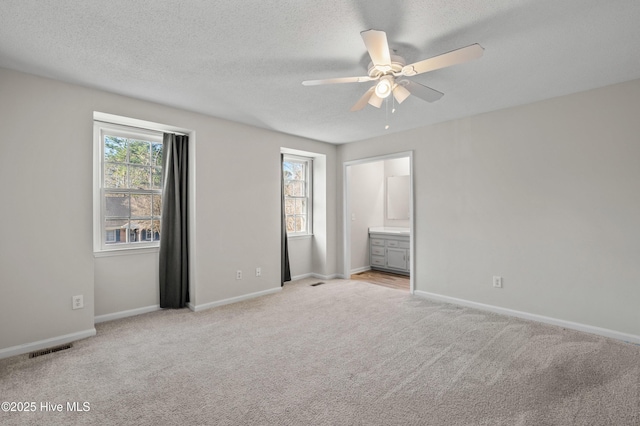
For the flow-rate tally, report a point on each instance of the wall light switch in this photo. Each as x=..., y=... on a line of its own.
x=353, y=216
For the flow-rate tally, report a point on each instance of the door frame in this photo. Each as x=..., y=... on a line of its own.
x=346, y=208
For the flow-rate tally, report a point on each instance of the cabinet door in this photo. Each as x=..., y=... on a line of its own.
x=397, y=258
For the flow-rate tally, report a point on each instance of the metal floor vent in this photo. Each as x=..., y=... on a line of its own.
x=313, y=285
x=50, y=350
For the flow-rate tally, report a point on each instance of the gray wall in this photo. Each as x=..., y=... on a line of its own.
x=546, y=195
x=46, y=250
x=366, y=191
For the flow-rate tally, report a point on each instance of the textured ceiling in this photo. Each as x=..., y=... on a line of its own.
x=245, y=60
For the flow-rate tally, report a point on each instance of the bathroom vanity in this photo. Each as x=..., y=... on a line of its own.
x=389, y=249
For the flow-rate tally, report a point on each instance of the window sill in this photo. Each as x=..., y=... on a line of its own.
x=299, y=237
x=126, y=251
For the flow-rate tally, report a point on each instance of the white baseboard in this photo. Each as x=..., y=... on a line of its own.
x=358, y=270
x=326, y=277
x=314, y=275
x=198, y=308
x=630, y=338
x=301, y=277
x=46, y=343
x=125, y=314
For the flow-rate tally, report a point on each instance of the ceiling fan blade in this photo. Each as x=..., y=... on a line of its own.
x=337, y=80
x=445, y=60
x=363, y=100
x=423, y=92
x=377, y=46
x=375, y=100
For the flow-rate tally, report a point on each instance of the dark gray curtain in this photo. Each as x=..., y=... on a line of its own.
x=174, y=235
x=285, y=270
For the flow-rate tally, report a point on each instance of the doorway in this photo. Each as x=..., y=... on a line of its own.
x=367, y=200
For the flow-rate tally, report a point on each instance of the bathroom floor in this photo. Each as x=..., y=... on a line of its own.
x=399, y=282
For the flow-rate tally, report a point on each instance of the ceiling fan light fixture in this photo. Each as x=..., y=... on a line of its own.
x=384, y=86
x=400, y=93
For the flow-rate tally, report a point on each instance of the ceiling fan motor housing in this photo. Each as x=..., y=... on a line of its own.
x=396, y=65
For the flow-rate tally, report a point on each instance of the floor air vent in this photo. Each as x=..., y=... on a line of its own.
x=313, y=285
x=50, y=350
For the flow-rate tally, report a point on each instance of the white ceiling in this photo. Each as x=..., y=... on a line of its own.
x=244, y=60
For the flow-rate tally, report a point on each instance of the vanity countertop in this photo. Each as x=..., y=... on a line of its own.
x=389, y=230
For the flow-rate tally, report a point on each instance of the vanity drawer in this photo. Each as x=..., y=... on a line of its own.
x=377, y=251
x=377, y=242
x=377, y=261
x=398, y=244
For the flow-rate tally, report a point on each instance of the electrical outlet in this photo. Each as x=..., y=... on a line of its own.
x=258, y=272
x=497, y=281
x=238, y=274
x=77, y=302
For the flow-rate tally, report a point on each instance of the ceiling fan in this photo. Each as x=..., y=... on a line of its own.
x=388, y=70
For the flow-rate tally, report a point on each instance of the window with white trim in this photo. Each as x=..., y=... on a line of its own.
x=129, y=184
x=297, y=172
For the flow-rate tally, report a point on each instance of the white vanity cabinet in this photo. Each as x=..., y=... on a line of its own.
x=389, y=249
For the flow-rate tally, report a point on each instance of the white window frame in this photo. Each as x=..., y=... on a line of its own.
x=101, y=129
x=309, y=192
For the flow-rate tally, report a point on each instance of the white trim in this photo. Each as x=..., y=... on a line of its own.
x=358, y=270
x=301, y=277
x=127, y=251
x=141, y=124
x=198, y=308
x=630, y=338
x=97, y=196
x=46, y=343
x=125, y=314
x=326, y=277
x=314, y=275
x=300, y=237
x=346, y=224
x=377, y=158
x=300, y=153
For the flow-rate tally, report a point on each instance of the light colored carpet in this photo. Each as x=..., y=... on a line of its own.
x=341, y=353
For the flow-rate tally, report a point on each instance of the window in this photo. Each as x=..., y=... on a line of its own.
x=297, y=194
x=110, y=236
x=129, y=183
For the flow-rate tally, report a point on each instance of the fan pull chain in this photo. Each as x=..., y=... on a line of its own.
x=386, y=107
x=386, y=110
x=393, y=105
